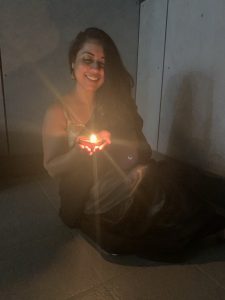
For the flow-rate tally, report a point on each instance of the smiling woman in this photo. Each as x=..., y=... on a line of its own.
x=110, y=187
x=88, y=68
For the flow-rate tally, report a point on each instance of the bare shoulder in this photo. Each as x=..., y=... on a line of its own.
x=55, y=110
x=55, y=116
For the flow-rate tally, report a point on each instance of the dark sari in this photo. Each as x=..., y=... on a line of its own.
x=173, y=206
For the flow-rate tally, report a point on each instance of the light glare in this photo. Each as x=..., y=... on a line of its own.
x=93, y=138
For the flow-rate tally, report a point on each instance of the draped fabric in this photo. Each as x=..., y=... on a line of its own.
x=171, y=206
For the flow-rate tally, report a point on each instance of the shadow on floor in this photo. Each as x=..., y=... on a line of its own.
x=206, y=251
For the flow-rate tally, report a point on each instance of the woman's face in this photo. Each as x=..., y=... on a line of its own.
x=88, y=67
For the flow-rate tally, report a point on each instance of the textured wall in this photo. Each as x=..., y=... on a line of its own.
x=150, y=65
x=192, y=122
x=35, y=36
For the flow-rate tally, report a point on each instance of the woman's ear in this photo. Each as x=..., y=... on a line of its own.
x=72, y=65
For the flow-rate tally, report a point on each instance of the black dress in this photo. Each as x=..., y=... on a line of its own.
x=172, y=206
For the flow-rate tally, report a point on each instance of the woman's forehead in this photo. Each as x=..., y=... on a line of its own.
x=92, y=47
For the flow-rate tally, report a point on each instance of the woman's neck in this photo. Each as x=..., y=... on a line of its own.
x=80, y=104
x=83, y=97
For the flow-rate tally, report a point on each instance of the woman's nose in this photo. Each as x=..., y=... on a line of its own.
x=96, y=65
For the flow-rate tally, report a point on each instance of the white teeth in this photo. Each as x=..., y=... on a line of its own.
x=92, y=77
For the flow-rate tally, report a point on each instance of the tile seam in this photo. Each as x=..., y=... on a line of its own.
x=210, y=277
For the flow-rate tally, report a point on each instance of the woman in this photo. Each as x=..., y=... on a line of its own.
x=113, y=190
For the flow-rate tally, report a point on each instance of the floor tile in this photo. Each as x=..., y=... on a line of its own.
x=105, y=270
x=40, y=258
x=26, y=264
x=98, y=293
x=215, y=271
x=50, y=269
x=49, y=186
x=170, y=283
x=211, y=261
x=26, y=215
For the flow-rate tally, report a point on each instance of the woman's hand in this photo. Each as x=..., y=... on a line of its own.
x=103, y=138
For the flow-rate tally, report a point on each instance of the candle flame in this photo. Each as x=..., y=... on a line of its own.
x=93, y=138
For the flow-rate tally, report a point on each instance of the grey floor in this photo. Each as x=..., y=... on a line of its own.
x=42, y=259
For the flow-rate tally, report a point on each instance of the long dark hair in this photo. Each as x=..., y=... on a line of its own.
x=115, y=94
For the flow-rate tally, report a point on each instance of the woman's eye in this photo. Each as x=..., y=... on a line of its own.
x=87, y=61
x=90, y=61
x=101, y=65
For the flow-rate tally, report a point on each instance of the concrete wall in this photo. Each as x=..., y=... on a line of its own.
x=187, y=104
x=35, y=36
x=150, y=65
x=3, y=141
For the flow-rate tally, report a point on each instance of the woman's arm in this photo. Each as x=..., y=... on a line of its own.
x=58, y=158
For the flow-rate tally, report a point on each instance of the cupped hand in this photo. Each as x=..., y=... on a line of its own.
x=103, y=135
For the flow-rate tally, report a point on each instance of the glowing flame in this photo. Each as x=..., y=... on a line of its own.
x=93, y=138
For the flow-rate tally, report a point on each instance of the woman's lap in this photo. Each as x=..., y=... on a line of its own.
x=185, y=216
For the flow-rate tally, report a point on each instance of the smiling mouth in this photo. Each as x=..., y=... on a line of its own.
x=92, y=78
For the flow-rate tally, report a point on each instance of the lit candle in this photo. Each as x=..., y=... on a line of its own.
x=93, y=138
x=90, y=142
